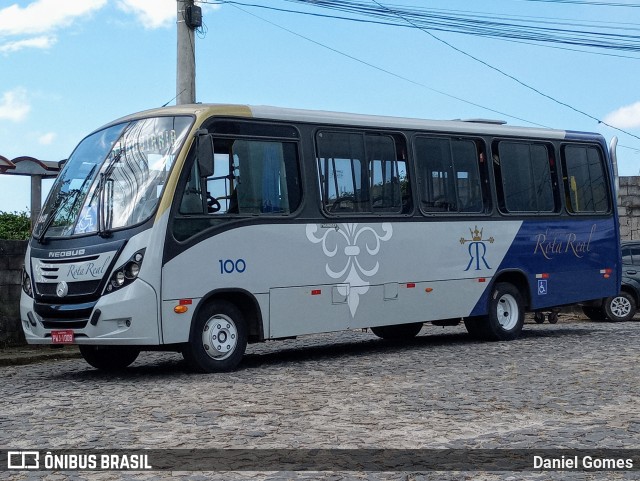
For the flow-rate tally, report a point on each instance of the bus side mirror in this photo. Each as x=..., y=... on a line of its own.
x=204, y=150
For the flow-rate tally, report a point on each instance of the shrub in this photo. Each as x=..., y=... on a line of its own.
x=15, y=225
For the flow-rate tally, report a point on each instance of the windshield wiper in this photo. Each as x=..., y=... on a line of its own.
x=63, y=198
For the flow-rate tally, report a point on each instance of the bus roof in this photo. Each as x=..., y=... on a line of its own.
x=476, y=126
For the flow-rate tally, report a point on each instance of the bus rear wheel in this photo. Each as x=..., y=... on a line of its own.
x=218, y=339
x=506, y=314
x=109, y=358
x=398, y=332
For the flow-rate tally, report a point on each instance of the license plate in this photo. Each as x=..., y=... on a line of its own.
x=62, y=337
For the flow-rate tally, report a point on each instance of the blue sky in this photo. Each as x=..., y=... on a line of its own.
x=68, y=67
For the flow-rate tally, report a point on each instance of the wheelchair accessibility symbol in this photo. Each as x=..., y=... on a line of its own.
x=542, y=287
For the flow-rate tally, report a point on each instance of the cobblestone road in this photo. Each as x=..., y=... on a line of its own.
x=570, y=385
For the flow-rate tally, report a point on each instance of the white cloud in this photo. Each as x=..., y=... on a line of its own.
x=151, y=13
x=14, y=105
x=156, y=13
x=45, y=17
x=35, y=42
x=42, y=16
x=47, y=139
x=626, y=117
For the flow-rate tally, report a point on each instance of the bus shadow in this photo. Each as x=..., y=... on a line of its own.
x=375, y=345
x=172, y=364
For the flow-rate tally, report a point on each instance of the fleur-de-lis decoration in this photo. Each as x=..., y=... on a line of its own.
x=354, y=247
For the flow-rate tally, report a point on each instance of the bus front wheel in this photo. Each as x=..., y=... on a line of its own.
x=505, y=318
x=218, y=339
x=109, y=358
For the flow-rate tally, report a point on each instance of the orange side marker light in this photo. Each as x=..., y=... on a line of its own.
x=181, y=308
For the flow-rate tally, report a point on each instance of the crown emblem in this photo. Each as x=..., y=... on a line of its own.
x=476, y=236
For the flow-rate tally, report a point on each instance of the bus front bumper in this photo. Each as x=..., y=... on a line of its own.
x=127, y=317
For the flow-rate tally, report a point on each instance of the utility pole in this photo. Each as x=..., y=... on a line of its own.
x=189, y=18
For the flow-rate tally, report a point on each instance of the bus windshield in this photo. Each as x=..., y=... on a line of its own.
x=114, y=178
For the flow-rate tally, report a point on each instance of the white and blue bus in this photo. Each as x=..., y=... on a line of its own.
x=202, y=228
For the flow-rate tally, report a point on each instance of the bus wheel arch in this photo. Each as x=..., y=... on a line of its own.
x=519, y=280
x=246, y=303
x=508, y=300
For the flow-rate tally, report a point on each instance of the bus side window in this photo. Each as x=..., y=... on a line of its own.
x=585, y=179
x=388, y=175
x=254, y=177
x=525, y=177
x=221, y=185
x=450, y=175
x=362, y=173
x=251, y=177
x=343, y=172
x=192, y=198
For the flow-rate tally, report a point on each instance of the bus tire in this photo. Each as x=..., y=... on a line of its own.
x=506, y=314
x=398, y=332
x=620, y=308
x=109, y=358
x=218, y=338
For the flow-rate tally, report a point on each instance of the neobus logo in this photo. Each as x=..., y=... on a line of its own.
x=77, y=252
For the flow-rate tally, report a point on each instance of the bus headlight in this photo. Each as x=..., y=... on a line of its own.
x=132, y=270
x=126, y=273
x=26, y=283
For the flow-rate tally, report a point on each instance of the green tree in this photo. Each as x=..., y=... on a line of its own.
x=15, y=225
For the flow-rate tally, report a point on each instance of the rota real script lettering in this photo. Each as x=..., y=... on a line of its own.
x=551, y=244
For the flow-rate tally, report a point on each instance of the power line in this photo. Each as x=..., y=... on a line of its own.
x=376, y=67
x=592, y=35
x=539, y=31
x=368, y=8
x=587, y=2
x=401, y=15
x=535, y=40
x=515, y=79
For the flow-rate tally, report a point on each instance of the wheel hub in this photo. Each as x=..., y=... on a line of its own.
x=219, y=337
x=620, y=306
x=507, y=312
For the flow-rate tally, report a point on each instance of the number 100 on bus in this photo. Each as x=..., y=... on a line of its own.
x=229, y=266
